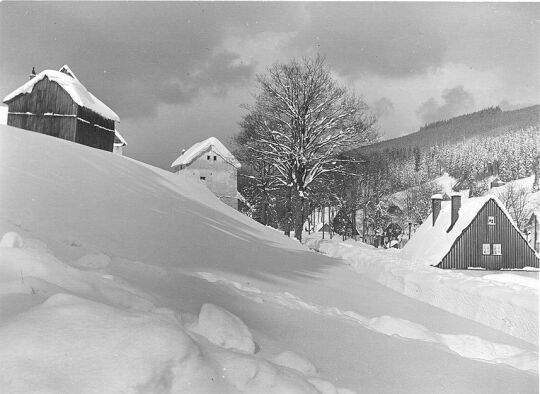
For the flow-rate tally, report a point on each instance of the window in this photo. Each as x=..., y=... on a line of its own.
x=491, y=220
x=208, y=157
x=486, y=249
x=497, y=249
x=215, y=158
x=203, y=178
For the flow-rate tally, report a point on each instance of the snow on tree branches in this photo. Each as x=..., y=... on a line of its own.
x=300, y=122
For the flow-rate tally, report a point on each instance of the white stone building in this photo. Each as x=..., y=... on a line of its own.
x=211, y=162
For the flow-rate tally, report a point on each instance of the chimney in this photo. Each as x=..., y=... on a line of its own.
x=436, y=200
x=456, y=204
x=33, y=73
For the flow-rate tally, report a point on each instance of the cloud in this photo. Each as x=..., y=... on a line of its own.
x=133, y=56
x=219, y=73
x=390, y=39
x=382, y=107
x=456, y=101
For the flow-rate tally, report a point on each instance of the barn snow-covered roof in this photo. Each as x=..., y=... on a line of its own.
x=199, y=148
x=69, y=82
x=430, y=244
x=118, y=139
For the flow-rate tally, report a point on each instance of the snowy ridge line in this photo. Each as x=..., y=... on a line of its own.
x=509, y=307
x=466, y=346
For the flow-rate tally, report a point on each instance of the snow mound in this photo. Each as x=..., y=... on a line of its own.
x=70, y=343
x=224, y=329
x=20, y=267
x=393, y=326
x=93, y=261
x=11, y=240
x=121, y=352
x=294, y=361
x=325, y=387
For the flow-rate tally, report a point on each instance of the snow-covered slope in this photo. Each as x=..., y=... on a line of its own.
x=116, y=276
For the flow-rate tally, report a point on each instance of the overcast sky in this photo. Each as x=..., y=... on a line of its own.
x=177, y=73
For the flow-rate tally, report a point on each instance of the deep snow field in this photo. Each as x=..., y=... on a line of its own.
x=116, y=276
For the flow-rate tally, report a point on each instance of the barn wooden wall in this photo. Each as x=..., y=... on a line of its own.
x=46, y=96
x=61, y=127
x=27, y=111
x=467, y=251
x=90, y=135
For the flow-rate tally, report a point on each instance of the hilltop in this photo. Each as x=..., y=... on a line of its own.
x=488, y=122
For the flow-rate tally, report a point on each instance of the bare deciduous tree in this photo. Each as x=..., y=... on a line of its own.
x=301, y=120
x=515, y=199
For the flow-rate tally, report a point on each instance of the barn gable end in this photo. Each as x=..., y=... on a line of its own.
x=48, y=109
x=468, y=249
x=56, y=103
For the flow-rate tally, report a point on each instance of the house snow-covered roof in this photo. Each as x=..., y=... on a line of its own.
x=69, y=82
x=199, y=148
x=430, y=244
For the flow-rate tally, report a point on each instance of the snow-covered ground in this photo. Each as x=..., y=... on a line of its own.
x=116, y=276
x=507, y=302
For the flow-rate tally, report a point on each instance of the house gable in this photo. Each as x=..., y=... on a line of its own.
x=491, y=226
x=198, y=149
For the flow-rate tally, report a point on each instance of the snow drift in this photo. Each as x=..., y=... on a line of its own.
x=120, y=277
x=506, y=302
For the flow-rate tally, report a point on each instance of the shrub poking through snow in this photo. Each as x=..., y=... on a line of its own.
x=11, y=240
x=224, y=329
x=294, y=361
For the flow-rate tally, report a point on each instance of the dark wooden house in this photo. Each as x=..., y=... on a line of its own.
x=57, y=104
x=473, y=233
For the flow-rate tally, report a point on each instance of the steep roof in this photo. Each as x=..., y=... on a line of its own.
x=69, y=82
x=431, y=243
x=199, y=148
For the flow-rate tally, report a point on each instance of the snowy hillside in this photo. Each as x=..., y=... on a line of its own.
x=116, y=276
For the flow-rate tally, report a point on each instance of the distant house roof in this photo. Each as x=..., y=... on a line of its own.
x=444, y=182
x=118, y=139
x=199, y=148
x=532, y=199
x=431, y=243
x=69, y=82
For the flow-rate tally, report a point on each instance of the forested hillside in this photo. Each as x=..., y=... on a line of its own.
x=490, y=121
x=469, y=148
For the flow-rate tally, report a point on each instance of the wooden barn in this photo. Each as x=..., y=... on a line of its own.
x=57, y=104
x=473, y=233
x=211, y=162
x=119, y=143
